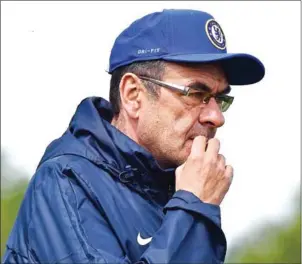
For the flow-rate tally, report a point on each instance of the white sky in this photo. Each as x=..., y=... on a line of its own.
x=54, y=54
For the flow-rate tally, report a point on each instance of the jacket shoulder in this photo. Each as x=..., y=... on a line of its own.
x=49, y=212
x=71, y=166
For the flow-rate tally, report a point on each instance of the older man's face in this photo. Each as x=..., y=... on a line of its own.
x=168, y=125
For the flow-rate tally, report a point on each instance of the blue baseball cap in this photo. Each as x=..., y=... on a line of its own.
x=181, y=35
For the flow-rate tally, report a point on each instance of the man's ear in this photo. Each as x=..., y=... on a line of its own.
x=130, y=88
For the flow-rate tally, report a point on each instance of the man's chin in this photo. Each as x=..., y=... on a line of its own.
x=180, y=158
x=175, y=161
x=188, y=146
x=183, y=155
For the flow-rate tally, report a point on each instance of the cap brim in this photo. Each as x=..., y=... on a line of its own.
x=240, y=68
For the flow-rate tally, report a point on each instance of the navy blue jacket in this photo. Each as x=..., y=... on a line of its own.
x=98, y=197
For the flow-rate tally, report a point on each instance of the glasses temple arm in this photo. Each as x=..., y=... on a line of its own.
x=183, y=89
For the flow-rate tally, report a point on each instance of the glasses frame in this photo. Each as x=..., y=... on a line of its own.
x=185, y=90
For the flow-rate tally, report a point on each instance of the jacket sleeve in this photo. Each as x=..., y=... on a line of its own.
x=53, y=231
x=190, y=233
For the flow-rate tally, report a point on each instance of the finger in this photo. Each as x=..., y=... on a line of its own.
x=179, y=169
x=221, y=160
x=221, y=163
x=198, y=146
x=229, y=173
x=226, y=184
x=213, y=147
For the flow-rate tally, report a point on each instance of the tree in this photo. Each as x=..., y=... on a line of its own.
x=272, y=243
x=13, y=186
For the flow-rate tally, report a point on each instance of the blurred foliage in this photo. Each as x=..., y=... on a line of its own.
x=270, y=243
x=273, y=242
x=13, y=186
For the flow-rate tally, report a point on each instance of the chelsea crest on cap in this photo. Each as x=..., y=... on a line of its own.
x=215, y=34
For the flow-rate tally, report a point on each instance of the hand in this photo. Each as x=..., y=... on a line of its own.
x=205, y=173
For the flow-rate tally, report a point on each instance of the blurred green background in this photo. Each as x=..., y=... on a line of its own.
x=273, y=242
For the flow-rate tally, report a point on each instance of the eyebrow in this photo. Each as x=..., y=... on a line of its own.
x=203, y=87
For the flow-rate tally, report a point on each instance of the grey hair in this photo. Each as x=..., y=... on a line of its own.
x=153, y=68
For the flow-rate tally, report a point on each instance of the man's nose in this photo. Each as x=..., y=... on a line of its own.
x=211, y=114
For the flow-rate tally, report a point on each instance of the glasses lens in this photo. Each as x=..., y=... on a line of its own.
x=225, y=102
x=196, y=97
x=224, y=106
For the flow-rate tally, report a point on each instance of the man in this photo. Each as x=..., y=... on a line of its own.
x=140, y=179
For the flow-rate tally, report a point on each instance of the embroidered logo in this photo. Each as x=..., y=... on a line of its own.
x=215, y=34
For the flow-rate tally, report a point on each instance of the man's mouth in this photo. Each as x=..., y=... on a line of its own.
x=208, y=137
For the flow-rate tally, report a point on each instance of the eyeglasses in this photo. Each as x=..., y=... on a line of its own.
x=195, y=96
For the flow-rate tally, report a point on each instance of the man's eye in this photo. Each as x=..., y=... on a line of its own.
x=196, y=95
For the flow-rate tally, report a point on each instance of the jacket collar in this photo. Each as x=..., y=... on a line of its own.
x=108, y=147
